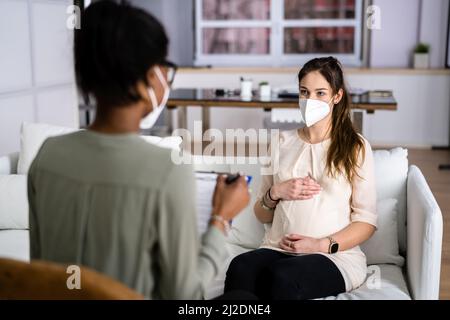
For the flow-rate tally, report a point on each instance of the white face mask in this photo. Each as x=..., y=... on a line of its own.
x=149, y=120
x=313, y=111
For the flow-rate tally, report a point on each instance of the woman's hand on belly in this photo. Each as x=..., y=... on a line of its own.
x=295, y=189
x=296, y=243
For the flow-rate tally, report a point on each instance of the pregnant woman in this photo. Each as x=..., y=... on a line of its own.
x=321, y=203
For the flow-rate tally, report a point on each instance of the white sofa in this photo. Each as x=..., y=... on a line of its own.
x=418, y=222
x=411, y=273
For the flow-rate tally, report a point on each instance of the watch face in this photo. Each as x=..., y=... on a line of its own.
x=334, y=248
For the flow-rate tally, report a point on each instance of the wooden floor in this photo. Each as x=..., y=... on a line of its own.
x=439, y=182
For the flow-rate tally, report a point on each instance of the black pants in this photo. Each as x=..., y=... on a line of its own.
x=269, y=274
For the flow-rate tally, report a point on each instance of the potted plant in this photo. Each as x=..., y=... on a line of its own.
x=264, y=89
x=422, y=56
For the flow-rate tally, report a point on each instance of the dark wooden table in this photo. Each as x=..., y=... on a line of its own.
x=207, y=98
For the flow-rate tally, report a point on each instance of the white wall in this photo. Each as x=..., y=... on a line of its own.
x=404, y=23
x=37, y=82
x=392, y=45
x=177, y=18
x=36, y=68
x=433, y=29
x=422, y=118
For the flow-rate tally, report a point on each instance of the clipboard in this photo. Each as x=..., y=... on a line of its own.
x=206, y=184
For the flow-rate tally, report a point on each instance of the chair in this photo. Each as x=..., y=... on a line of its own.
x=41, y=280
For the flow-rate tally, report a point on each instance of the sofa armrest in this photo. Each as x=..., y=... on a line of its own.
x=424, y=238
x=8, y=163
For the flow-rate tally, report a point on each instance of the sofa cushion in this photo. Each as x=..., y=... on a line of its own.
x=384, y=282
x=391, y=172
x=15, y=244
x=382, y=247
x=33, y=136
x=13, y=202
x=246, y=230
x=8, y=163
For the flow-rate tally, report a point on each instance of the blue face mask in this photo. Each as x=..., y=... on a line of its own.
x=149, y=120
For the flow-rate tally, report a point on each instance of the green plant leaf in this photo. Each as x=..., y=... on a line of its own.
x=422, y=48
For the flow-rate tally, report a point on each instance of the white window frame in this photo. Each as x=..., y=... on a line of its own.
x=276, y=23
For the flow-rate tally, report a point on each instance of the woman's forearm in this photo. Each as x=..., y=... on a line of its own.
x=263, y=215
x=349, y=237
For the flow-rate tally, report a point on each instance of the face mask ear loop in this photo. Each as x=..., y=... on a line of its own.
x=151, y=92
x=161, y=78
x=153, y=99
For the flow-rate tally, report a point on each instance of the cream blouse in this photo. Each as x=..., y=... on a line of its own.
x=334, y=208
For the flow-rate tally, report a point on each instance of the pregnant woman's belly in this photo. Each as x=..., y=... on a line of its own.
x=326, y=213
x=313, y=218
x=318, y=217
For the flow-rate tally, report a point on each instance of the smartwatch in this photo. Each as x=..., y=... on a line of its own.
x=333, y=247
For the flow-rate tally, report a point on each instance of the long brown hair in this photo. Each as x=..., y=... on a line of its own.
x=346, y=144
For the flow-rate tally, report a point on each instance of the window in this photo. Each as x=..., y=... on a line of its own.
x=277, y=32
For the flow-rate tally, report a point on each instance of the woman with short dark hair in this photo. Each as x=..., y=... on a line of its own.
x=107, y=199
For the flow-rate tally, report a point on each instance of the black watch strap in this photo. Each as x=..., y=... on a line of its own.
x=333, y=246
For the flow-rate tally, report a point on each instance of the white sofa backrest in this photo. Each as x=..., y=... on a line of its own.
x=246, y=231
x=391, y=174
x=13, y=202
x=33, y=135
x=8, y=163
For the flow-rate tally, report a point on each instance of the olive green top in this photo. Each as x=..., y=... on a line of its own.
x=119, y=205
